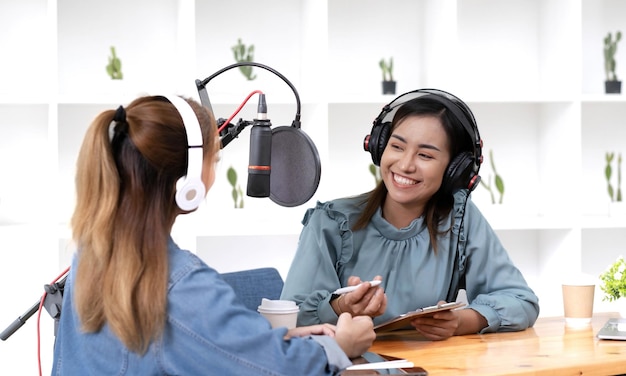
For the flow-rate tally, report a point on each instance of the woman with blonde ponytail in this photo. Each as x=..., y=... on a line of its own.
x=134, y=302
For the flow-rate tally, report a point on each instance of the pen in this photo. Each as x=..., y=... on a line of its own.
x=345, y=290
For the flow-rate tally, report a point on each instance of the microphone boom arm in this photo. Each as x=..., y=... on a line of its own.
x=204, y=98
x=52, y=303
x=231, y=131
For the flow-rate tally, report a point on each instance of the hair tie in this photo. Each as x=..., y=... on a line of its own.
x=120, y=115
x=119, y=124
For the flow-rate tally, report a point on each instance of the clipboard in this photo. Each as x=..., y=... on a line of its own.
x=402, y=321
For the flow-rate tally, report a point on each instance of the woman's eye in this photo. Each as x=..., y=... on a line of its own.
x=425, y=156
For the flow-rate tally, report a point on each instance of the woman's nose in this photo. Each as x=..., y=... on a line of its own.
x=407, y=162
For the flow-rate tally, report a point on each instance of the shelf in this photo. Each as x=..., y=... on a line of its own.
x=604, y=222
x=603, y=98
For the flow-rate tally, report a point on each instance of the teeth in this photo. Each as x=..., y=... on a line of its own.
x=402, y=180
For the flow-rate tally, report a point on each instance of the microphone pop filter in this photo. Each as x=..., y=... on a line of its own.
x=296, y=167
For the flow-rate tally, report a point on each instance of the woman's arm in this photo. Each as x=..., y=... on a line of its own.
x=495, y=286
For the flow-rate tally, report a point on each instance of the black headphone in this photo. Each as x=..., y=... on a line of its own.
x=190, y=189
x=462, y=171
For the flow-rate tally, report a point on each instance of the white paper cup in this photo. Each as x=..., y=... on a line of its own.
x=280, y=313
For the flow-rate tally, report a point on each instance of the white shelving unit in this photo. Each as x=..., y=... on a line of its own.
x=533, y=76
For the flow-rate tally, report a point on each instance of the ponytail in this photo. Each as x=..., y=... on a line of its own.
x=97, y=194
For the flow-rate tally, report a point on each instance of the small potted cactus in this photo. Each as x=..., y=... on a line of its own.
x=375, y=171
x=615, y=193
x=617, y=207
x=612, y=85
x=114, y=68
x=236, y=192
x=498, y=182
x=389, y=85
x=244, y=54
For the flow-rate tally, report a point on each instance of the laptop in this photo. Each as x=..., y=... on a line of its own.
x=613, y=329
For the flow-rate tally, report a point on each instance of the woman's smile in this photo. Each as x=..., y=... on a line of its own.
x=403, y=180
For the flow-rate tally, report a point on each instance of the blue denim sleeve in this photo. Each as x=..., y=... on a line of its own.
x=336, y=357
x=210, y=330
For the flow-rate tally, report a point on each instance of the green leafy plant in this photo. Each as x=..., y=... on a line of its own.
x=610, y=48
x=613, y=280
x=244, y=54
x=375, y=171
x=614, y=194
x=114, y=68
x=237, y=194
x=498, y=182
x=387, y=69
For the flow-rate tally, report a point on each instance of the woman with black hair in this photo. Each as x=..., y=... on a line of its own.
x=417, y=231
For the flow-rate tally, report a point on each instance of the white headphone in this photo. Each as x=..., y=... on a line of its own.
x=190, y=189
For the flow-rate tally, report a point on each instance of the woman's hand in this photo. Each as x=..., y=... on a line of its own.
x=354, y=335
x=303, y=331
x=364, y=301
x=438, y=326
x=444, y=324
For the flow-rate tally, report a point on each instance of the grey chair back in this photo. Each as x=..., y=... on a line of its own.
x=255, y=284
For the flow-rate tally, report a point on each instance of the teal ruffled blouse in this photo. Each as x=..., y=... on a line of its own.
x=414, y=276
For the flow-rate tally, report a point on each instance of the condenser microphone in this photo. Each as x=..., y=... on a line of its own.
x=260, y=160
x=284, y=163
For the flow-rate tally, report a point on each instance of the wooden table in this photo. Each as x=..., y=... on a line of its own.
x=549, y=348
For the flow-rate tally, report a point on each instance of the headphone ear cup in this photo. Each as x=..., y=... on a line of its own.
x=189, y=193
x=459, y=174
x=378, y=141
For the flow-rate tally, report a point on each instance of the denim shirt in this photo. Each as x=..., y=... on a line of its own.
x=207, y=332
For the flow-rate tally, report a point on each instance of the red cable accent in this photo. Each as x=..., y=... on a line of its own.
x=43, y=299
x=262, y=168
x=239, y=109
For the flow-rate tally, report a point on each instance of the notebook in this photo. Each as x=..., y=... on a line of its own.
x=613, y=329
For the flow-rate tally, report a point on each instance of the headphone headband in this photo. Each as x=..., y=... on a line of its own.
x=190, y=189
x=376, y=141
x=453, y=103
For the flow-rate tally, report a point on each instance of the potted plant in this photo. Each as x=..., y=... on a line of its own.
x=612, y=85
x=389, y=85
x=244, y=54
x=375, y=171
x=114, y=68
x=614, y=194
x=613, y=284
x=498, y=182
x=237, y=194
x=616, y=205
